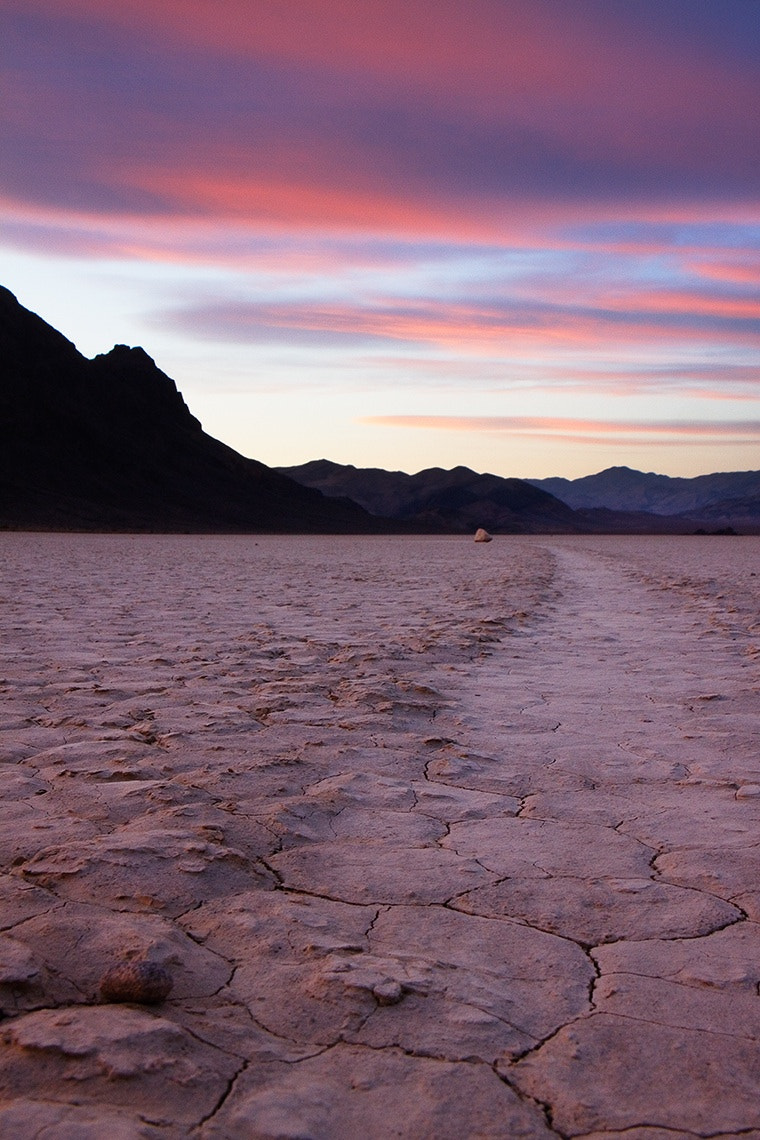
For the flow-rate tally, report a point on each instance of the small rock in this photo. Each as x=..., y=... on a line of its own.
x=482, y=535
x=388, y=992
x=146, y=983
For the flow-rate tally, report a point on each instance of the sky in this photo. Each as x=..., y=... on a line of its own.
x=518, y=235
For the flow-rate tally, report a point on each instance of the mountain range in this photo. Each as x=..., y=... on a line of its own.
x=439, y=500
x=729, y=495
x=460, y=500
x=109, y=444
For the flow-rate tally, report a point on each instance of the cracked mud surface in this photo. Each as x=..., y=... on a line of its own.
x=435, y=839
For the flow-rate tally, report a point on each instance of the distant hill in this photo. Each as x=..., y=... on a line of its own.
x=109, y=444
x=722, y=497
x=459, y=500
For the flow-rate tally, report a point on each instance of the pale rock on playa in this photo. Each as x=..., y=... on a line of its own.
x=402, y=841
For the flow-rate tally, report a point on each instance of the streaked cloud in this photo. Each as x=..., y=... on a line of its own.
x=475, y=326
x=735, y=272
x=376, y=115
x=581, y=430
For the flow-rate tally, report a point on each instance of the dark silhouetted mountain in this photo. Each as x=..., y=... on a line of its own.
x=109, y=444
x=459, y=500
x=724, y=495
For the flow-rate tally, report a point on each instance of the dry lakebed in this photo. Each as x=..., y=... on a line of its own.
x=320, y=838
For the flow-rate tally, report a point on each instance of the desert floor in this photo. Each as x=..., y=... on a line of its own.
x=435, y=840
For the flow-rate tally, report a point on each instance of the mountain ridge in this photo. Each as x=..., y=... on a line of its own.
x=717, y=496
x=109, y=444
x=456, y=498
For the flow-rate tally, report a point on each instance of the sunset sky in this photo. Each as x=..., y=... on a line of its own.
x=519, y=235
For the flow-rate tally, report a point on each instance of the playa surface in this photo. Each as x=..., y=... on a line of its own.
x=435, y=840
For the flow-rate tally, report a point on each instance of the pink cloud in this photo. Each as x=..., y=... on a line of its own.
x=492, y=53
x=540, y=373
x=733, y=272
x=318, y=201
x=554, y=111
x=581, y=430
x=508, y=328
x=681, y=301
